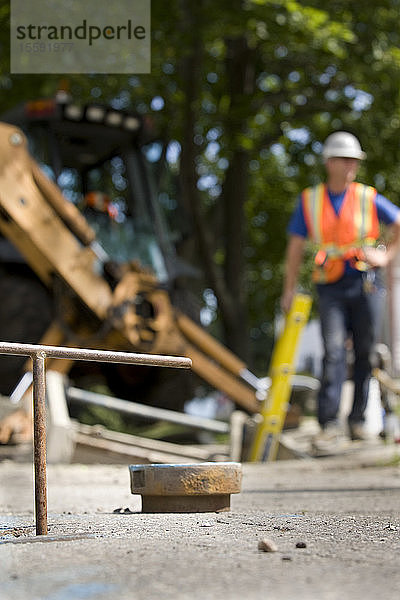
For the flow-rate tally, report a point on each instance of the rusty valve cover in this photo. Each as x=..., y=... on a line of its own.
x=204, y=487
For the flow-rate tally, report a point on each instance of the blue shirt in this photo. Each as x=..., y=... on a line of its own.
x=387, y=214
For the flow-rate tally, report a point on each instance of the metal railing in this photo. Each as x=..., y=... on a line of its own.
x=38, y=355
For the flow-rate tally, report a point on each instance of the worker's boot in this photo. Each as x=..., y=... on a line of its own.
x=330, y=440
x=359, y=432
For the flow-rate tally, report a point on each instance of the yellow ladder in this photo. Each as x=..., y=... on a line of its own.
x=265, y=445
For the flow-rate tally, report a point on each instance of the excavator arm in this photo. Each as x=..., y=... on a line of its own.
x=59, y=245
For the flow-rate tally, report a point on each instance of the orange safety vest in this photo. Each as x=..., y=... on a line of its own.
x=340, y=238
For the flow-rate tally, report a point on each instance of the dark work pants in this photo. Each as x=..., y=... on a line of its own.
x=345, y=307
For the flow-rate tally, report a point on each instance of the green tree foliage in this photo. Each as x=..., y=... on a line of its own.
x=248, y=89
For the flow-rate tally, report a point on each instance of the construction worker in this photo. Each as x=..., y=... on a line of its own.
x=342, y=218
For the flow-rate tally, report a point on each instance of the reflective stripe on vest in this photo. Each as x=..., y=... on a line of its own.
x=339, y=237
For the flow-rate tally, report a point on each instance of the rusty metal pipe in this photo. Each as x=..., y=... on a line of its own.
x=38, y=354
x=95, y=355
x=39, y=442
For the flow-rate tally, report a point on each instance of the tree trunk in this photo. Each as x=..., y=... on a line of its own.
x=235, y=194
x=228, y=282
x=240, y=75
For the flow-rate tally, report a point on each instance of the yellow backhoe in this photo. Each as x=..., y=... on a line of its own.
x=85, y=255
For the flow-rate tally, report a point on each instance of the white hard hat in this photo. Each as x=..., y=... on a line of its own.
x=342, y=144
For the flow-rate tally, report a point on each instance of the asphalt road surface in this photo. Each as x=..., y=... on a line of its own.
x=334, y=522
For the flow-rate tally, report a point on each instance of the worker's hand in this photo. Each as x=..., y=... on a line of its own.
x=286, y=300
x=376, y=257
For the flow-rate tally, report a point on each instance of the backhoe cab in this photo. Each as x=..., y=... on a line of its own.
x=86, y=255
x=100, y=158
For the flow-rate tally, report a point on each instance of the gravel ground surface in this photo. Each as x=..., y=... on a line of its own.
x=334, y=522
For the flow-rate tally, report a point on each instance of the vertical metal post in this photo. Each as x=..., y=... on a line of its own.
x=39, y=437
x=38, y=355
